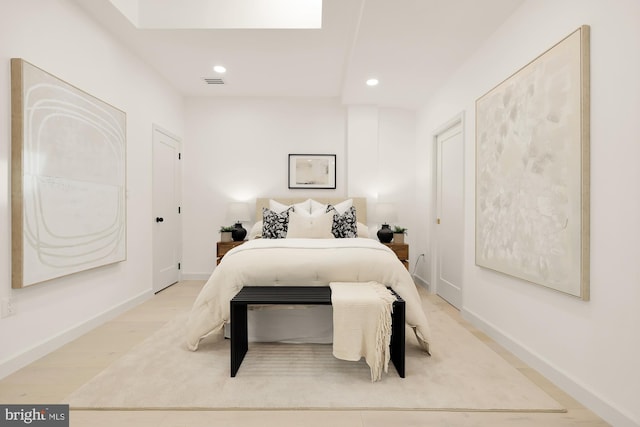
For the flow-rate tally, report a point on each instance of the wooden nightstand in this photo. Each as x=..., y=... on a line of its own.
x=223, y=247
x=402, y=252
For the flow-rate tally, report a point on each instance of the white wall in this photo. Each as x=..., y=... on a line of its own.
x=589, y=348
x=58, y=37
x=363, y=152
x=237, y=148
x=381, y=159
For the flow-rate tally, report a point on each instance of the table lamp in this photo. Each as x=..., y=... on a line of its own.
x=238, y=212
x=385, y=213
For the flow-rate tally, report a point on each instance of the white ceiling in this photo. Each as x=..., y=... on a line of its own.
x=411, y=46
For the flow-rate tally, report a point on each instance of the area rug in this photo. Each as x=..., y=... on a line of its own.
x=463, y=374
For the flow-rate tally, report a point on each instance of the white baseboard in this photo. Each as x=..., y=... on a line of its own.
x=422, y=282
x=195, y=276
x=571, y=386
x=35, y=352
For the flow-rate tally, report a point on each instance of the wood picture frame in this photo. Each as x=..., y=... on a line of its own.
x=68, y=178
x=312, y=171
x=532, y=170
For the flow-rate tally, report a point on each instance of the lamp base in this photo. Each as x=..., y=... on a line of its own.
x=238, y=233
x=385, y=234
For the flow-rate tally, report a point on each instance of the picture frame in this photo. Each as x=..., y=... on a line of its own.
x=532, y=170
x=312, y=171
x=68, y=178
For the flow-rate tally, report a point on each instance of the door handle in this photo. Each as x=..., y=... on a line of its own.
x=159, y=219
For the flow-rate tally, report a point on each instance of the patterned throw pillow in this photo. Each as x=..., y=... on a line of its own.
x=274, y=225
x=344, y=225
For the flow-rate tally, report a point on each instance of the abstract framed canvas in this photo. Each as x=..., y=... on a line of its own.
x=312, y=171
x=67, y=178
x=532, y=170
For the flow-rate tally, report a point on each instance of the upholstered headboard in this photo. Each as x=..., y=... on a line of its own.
x=360, y=204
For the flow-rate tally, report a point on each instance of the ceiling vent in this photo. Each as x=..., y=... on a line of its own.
x=213, y=80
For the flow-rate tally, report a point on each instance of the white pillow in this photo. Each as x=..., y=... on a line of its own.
x=278, y=207
x=310, y=227
x=303, y=206
x=363, y=230
x=317, y=208
x=256, y=231
x=342, y=207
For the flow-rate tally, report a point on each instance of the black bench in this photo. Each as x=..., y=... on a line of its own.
x=300, y=295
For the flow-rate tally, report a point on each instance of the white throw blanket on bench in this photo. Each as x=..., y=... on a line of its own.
x=362, y=323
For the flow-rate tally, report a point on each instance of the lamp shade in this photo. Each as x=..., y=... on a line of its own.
x=386, y=213
x=238, y=212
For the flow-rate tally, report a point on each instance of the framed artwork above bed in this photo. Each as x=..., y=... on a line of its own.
x=312, y=171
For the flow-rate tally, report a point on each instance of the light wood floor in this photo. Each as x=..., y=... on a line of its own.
x=52, y=378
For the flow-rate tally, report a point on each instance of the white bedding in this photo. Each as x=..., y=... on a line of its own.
x=308, y=262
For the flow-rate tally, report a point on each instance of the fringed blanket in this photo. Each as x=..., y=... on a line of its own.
x=362, y=323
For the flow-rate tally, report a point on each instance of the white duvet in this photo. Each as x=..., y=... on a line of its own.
x=307, y=262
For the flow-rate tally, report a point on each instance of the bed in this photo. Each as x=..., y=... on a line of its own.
x=298, y=246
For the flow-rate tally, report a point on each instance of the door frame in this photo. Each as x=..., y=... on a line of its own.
x=457, y=120
x=178, y=193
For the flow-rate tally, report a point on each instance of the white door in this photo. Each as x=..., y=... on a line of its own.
x=166, y=205
x=449, y=243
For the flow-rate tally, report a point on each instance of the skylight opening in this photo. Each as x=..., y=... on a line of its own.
x=222, y=14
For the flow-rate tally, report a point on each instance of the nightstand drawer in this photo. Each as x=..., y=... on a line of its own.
x=223, y=247
x=401, y=250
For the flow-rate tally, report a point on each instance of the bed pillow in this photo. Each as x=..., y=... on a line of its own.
x=344, y=225
x=310, y=227
x=318, y=208
x=256, y=231
x=342, y=207
x=278, y=207
x=304, y=206
x=363, y=230
x=274, y=225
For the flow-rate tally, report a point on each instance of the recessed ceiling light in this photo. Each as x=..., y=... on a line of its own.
x=219, y=69
x=372, y=82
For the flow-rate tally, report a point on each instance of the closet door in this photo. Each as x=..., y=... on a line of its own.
x=166, y=203
x=449, y=228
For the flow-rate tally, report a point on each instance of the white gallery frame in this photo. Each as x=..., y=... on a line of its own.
x=532, y=170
